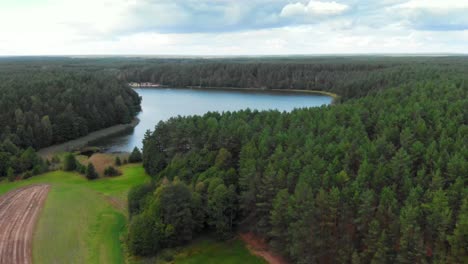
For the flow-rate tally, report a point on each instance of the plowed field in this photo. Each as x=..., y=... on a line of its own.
x=19, y=210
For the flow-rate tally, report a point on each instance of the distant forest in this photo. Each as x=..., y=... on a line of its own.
x=349, y=77
x=379, y=178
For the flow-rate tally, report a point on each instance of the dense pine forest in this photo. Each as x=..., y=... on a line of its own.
x=41, y=106
x=379, y=178
x=350, y=77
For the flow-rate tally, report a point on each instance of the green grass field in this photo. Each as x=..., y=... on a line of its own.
x=82, y=221
x=205, y=251
x=212, y=252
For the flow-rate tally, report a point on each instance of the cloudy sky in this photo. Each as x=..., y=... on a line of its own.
x=232, y=27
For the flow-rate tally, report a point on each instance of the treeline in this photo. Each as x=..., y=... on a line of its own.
x=14, y=161
x=41, y=107
x=379, y=179
x=350, y=77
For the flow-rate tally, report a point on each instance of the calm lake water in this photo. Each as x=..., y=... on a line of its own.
x=160, y=104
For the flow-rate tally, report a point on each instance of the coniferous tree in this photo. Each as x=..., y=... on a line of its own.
x=91, y=173
x=69, y=163
x=376, y=179
x=280, y=219
x=135, y=156
x=458, y=241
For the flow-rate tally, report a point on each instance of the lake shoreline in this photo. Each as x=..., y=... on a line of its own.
x=84, y=141
x=160, y=104
x=95, y=136
x=333, y=95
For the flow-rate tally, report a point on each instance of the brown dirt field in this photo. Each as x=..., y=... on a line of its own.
x=103, y=160
x=19, y=210
x=259, y=247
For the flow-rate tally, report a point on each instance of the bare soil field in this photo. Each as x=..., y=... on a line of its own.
x=19, y=210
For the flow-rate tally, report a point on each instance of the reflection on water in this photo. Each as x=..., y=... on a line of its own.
x=159, y=104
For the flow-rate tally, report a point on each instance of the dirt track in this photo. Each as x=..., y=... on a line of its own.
x=259, y=247
x=19, y=210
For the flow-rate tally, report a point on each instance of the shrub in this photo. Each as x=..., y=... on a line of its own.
x=80, y=168
x=167, y=255
x=142, y=236
x=37, y=169
x=111, y=171
x=27, y=175
x=136, y=197
x=118, y=162
x=55, y=159
x=69, y=163
x=91, y=173
x=11, y=174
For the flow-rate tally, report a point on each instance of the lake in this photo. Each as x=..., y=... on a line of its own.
x=159, y=104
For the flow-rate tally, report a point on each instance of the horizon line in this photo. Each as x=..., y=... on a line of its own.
x=396, y=54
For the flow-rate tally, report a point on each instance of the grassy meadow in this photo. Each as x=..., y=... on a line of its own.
x=205, y=250
x=82, y=221
x=213, y=252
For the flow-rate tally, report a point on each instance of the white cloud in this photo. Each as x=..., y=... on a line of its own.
x=204, y=27
x=306, y=39
x=435, y=4
x=326, y=8
x=292, y=10
x=313, y=8
x=433, y=15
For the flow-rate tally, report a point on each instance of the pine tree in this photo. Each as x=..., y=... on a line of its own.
x=458, y=240
x=135, y=156
x=438, y=221
x=264, y=199
x=91, y=173
x=411, y=241
x=382, y=255
x=304, y=226
x=249, y=179
x=222, y=211
x=370, y=241
x=69, y=163
x=280, y=219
